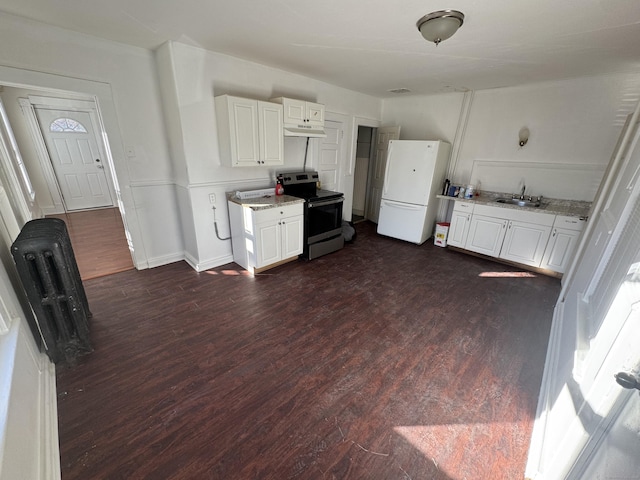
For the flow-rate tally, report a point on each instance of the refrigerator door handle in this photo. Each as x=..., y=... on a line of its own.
x=406, y=206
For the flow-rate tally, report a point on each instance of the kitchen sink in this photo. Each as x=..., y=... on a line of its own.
x=519, y=203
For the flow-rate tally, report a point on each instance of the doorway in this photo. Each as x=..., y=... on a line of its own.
x=364, y=158
x=371, y=159
x=62, y=142
x=76, y=157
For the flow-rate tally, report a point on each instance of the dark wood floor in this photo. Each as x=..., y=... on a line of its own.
x=99, y=243
x=385, y=360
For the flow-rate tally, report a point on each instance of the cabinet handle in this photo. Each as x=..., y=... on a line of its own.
x=504, y=224
x=554, y=232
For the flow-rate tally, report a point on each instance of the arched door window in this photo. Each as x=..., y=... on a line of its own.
x=67, y=125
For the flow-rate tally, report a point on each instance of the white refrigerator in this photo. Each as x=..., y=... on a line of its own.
x=415, y=174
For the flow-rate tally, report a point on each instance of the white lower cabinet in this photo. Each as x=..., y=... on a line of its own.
x=460, y=221
x=278, y=241
x=562, y=243
x=536, y=239
x=486, y=235
x=262, y=238
x=525, y=243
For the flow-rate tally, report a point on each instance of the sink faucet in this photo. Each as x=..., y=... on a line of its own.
x=522, y=192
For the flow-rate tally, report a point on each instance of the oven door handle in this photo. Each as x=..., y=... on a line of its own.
x=325, y=202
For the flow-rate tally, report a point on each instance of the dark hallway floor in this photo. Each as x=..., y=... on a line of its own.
x=385, y=360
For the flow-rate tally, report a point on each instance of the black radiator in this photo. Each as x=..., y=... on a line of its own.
x=50, y=277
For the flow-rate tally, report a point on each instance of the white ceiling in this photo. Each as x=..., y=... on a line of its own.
x=373, y=46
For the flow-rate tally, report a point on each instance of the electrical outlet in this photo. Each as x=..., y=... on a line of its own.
x=212, y=198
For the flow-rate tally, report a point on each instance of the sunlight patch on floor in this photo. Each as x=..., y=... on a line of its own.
x=445, y=444
x=507, y=274
x=232, y=273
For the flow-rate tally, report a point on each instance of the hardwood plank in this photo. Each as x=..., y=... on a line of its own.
x=383, y=360
x=99, y=242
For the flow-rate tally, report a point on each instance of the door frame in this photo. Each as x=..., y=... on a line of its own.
x=101, y=92
x=29, y=106
x=374, y=124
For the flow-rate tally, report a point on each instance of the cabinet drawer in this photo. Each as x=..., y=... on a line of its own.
x=269, y=214
x=463, y=207
x=569, y=223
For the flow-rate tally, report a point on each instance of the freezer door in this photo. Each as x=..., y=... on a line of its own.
x=410, y=170
x=403, y=221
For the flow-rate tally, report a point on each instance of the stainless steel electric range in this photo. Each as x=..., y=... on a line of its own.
x=322, y=213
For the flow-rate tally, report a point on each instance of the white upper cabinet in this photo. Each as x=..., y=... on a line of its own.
x=301, y=112
x=250, y=132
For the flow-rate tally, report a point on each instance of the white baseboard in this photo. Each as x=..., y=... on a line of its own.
x=212, y=263
x=165, y=260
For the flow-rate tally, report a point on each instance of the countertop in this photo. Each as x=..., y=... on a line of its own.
x=265, y=202
x=553, y=206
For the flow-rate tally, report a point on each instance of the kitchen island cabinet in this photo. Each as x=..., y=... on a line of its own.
x=266, y=232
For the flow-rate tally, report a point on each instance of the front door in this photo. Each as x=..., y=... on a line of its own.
x=76, y=158
x=379, y=167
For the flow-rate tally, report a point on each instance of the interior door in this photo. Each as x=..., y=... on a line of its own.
x=76, y=158
x=379, y=168
x=331, y=155
x=582, y=410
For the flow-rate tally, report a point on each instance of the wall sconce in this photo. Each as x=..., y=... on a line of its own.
x=523, y=136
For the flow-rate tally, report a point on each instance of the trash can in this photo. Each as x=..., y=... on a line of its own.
x=440, y=238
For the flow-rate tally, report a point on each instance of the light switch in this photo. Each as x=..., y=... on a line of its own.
x=212, y=198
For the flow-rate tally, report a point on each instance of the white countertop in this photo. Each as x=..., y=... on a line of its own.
x=554, y=206
x=264, y=202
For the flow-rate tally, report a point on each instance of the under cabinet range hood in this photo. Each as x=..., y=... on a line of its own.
x=291, y=130
x=301, y=118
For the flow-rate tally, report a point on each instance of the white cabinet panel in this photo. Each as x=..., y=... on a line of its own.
x=292, y=236
x=560, y=249
x=563, y=242
x=268, y=244
x=525, y=243
x=486, y=235
x=301, y=112
x=460, y=222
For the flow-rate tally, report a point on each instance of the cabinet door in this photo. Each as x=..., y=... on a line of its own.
x=560, y=249
x=315, y=114
x=292, y=236
x=271, y=135
x=295, y=111
x=243, y=130
x=459, y=229
x=486, y=235
x=525, y=243
x=268, y=243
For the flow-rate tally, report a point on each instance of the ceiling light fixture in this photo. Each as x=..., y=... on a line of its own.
x=438, y=26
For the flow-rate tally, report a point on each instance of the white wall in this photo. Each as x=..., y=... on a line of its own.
x=190, y=77
x=572, y=123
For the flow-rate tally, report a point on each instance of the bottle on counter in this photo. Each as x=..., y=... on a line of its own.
x=445, y=191
x=279, y=187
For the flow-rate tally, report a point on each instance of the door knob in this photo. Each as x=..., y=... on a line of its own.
x=627, y=380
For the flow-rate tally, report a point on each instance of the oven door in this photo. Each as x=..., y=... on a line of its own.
x=324, y=219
